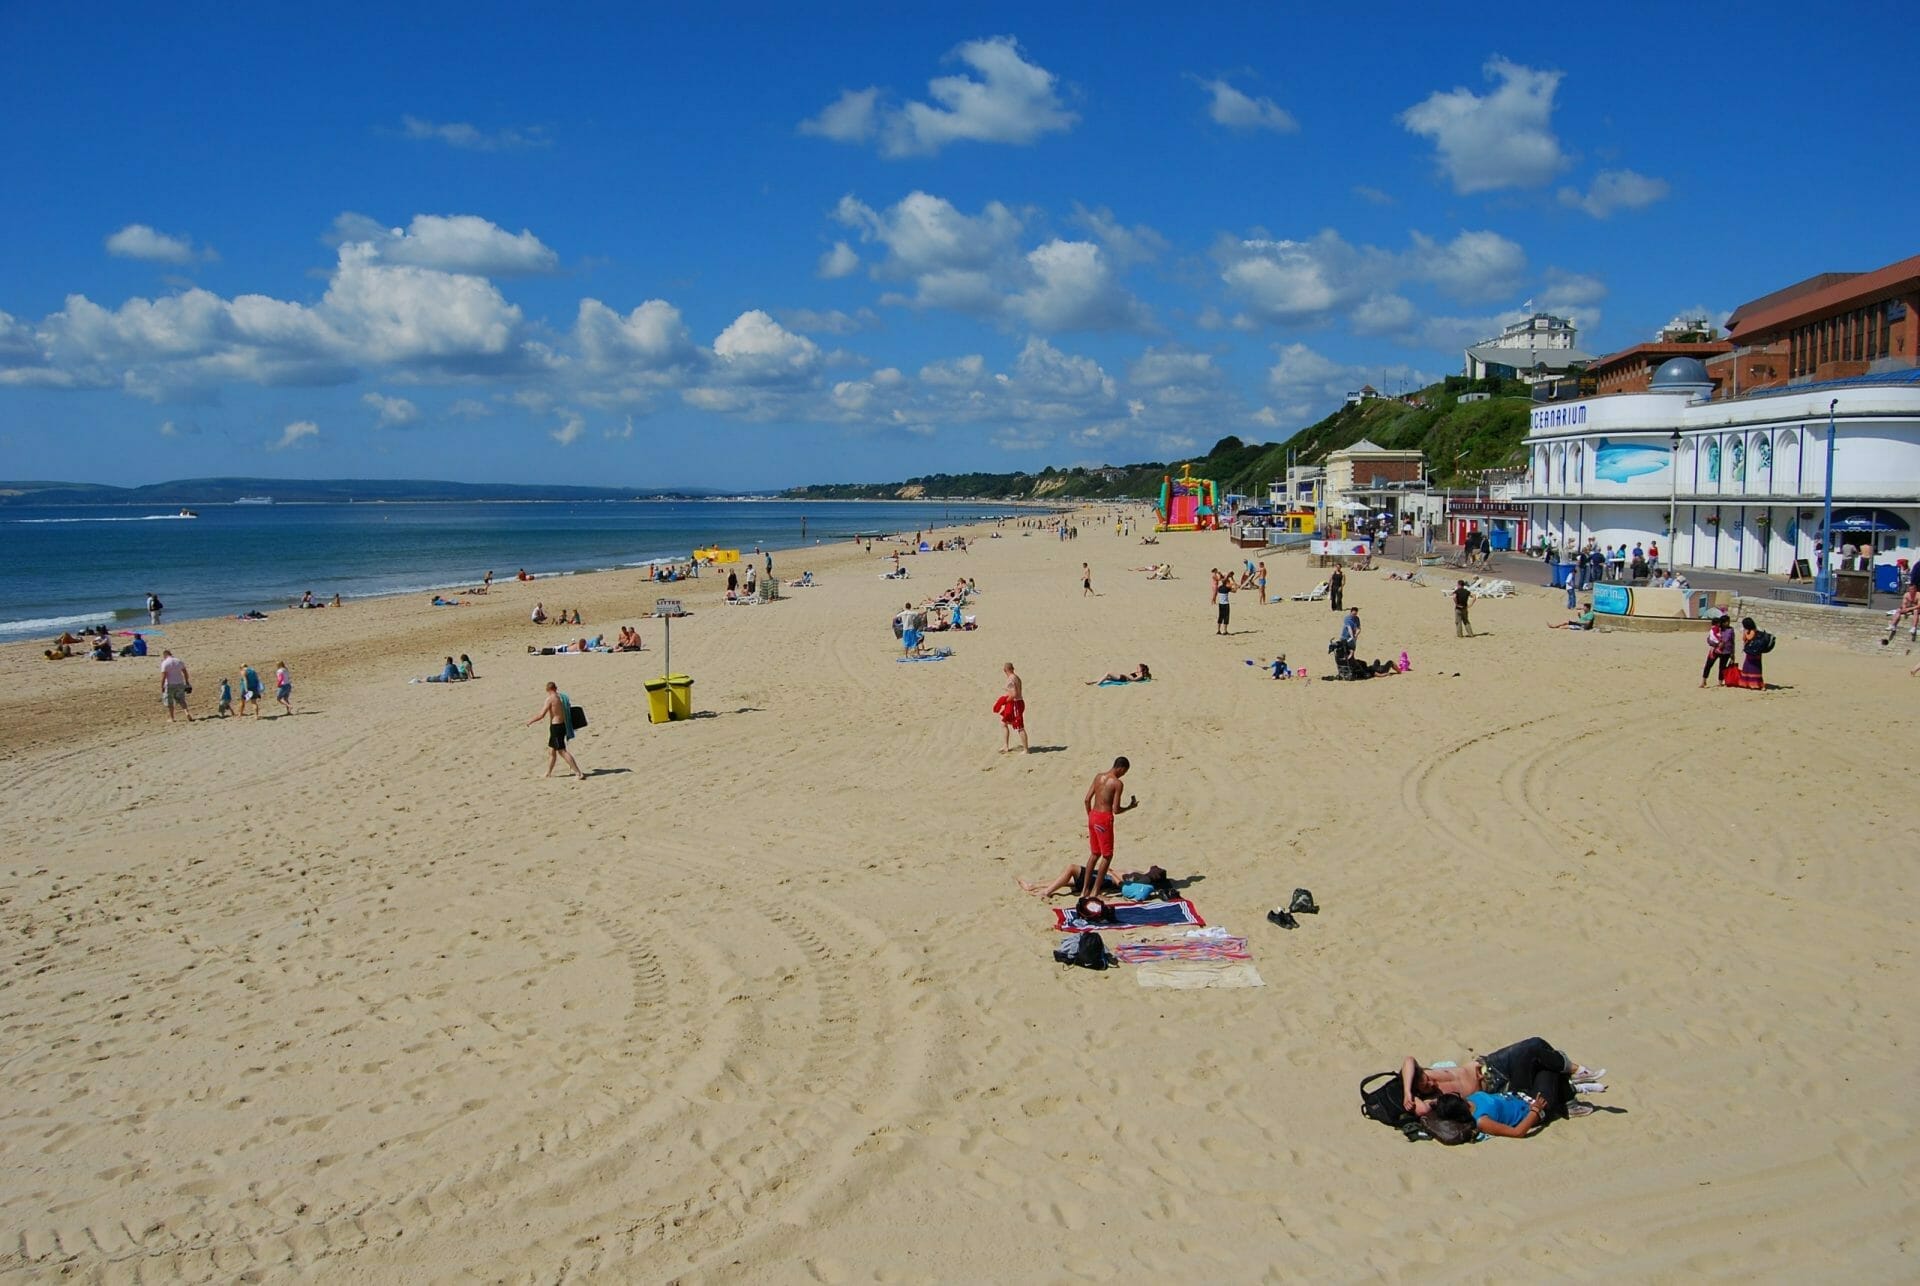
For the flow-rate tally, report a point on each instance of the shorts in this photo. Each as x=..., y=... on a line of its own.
x=910, y=639
x=556, y=736
x=177, y=695
x=1100, y=834
x=282, y=692
x=1014, y=714
x=1222, y=617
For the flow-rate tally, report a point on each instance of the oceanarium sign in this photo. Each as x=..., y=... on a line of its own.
x=1560, y=417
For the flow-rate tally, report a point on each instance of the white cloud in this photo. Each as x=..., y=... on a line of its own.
x=1502, y=140
x=394, y=412
x=470, y=408
x=470, y=138
x=652, y=337
x=1128, y=246
x=624, y=434
x=841, y=261
x=138, y=241
x=294, y=434
x=1616, y=190
x=1292, y=282
x=167, y=429
x=573, y=426
x=925, y=234
x=1161, y=367
x=1372, y=195
x=809, y=321
x=854, y=117
x=406, y=314
x=1075, y=289
x=1472, y=266
x=1383, y=314
x=1005, y=99
x=450, y=243
x=1236, y=110
x=757, y=349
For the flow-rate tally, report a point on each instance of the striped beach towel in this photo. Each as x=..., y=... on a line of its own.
x=1141, y=952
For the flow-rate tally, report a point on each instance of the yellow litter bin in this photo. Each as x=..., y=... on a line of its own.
x=679, y=696
x=659, y=709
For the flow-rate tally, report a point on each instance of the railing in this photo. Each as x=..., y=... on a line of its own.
x=1795, y=594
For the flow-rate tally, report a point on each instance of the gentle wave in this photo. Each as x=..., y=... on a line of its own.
x=141, y=518
x=50, y=624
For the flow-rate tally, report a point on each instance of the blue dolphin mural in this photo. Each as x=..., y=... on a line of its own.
x=1625, y=461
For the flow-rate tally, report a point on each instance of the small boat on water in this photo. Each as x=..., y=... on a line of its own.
x=186, y=513
x=254, y=500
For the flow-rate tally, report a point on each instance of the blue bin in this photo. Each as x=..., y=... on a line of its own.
x=1886, y=578
x=1562, y=573
x=1502, y=539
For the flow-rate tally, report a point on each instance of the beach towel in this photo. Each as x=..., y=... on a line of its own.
x=1178, y=976
x=1224, y=948
x=941, y=655
x=1122, y=683
x=1131, y=915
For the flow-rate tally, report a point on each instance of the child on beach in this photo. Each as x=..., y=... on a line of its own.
x=226, y=699
x=283, y=687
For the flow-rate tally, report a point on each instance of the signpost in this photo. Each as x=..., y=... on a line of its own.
x=666, y=609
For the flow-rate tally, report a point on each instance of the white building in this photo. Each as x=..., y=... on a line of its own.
x=1744, y=478
x=1534, y=350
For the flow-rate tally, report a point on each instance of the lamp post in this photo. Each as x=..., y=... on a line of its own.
x=1673, y=501
x=1823, y=583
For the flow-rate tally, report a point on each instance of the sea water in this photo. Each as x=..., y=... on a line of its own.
x=72, y=566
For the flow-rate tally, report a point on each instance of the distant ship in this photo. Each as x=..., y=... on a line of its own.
x=186, y=513
x=254, y=500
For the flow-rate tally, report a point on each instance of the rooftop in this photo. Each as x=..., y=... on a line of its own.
x=1794, y=305
x=1647, y=352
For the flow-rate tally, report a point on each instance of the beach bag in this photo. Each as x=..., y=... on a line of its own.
x=576, y=718
x=1085, y=950
x=1093, y=910
x=1381, y=1100
x=1765, y=641
x=1303, y=903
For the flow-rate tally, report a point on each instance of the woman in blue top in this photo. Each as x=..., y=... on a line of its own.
x=1506, y=1116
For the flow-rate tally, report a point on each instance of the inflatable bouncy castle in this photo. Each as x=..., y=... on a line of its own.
x=1187, y=503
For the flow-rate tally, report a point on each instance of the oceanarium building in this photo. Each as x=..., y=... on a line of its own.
x=1738, y=484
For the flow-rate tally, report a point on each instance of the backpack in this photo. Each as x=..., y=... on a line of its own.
x=577, y=717
x=1085, y=950
x=1764, y=640
x=1381, y=1100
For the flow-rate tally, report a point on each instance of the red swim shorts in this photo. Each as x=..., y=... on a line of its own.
x=1014, y=715
x=1100, y=834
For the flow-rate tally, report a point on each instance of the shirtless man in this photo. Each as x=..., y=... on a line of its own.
x=1012, y=709
x=554, y=710
x=1103, y=805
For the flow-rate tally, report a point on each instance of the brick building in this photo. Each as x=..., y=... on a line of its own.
x=1827, y=327
x=1631, y=369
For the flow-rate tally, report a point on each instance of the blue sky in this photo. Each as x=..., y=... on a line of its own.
x=752, y=246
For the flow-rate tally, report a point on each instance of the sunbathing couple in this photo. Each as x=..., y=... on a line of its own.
x=1137, y=886
x=1509, y=1093
x=1140, y=675
x=1156, y=571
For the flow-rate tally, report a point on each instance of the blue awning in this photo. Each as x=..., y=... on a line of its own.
x=1868, y=520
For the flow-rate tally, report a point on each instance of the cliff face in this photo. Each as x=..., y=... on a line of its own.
x=1457, y=438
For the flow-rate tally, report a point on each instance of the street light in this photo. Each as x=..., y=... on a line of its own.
x=1673, y=501
x=1823, y=583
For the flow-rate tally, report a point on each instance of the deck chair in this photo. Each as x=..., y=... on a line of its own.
x=1313, y=595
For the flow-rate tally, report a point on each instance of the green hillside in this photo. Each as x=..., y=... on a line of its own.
x=1458, y=440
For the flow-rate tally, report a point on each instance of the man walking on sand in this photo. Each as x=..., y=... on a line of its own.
x=175, y=683
x=1223, y=603
x=1103, y=805
x=1012, y=709
x=1462, y=600
x=1336, y=585
x=559, y=716
x=1086, y=581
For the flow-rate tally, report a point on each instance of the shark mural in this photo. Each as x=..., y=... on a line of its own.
x=1625, y=461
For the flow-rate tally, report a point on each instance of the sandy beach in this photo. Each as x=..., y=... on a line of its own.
x=357, y=995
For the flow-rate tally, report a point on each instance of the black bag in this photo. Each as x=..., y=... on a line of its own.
x=1085, y=950
x=1381, y=1099
x=1093, y=911
x=1764, y=640
x=1303, y=903
x=576, y=717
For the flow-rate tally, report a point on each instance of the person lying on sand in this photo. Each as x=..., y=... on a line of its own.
x=1531, y=1067
x=1137, y=885
x=1141, y=675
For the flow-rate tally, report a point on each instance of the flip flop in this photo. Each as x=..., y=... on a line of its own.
x=1581, y=1109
